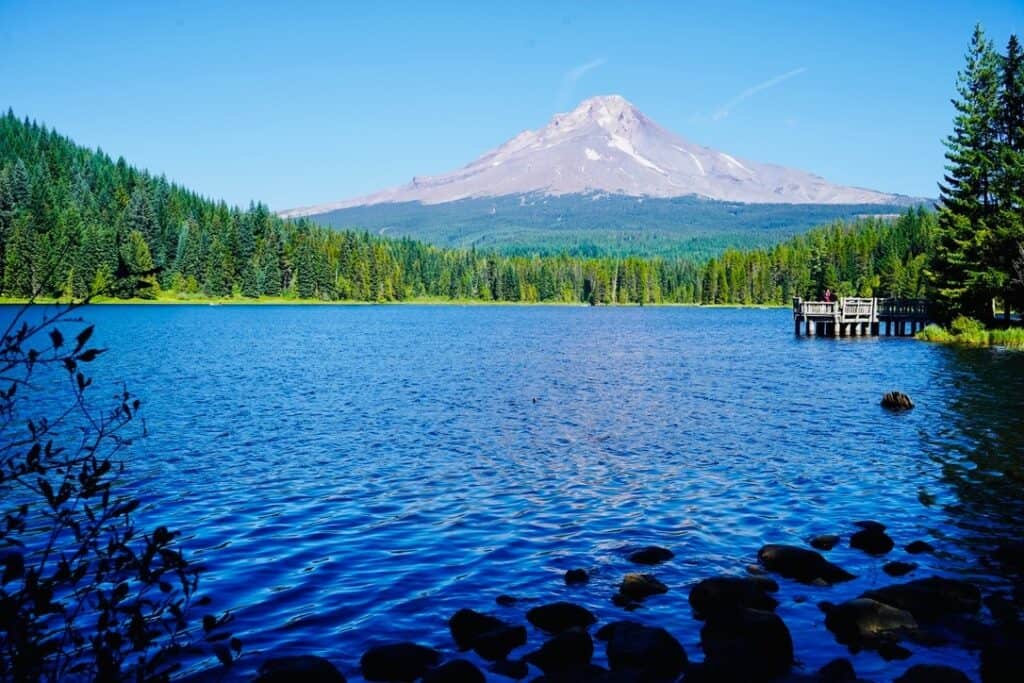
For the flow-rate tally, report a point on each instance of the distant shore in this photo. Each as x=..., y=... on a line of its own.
x=419, y=301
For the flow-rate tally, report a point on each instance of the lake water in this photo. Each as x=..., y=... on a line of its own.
x=354, y=475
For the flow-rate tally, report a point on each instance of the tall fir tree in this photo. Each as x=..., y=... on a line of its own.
x=961, y=282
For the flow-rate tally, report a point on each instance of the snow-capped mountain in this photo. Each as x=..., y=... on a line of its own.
x=607, y=145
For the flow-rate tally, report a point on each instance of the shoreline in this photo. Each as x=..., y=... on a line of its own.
x=418, y=301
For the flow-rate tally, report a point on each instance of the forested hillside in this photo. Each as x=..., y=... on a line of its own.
x=74, y=222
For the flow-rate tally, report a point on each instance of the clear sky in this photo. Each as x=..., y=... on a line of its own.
x=300, y=103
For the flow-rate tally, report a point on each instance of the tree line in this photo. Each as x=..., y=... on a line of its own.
x=74, y=222
x=979, y=248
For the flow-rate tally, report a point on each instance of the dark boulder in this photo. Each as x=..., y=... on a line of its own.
x=560, y=616
x=299, y=668
x=806, y=566
x=570, y=650
x=867, y=623
x=837, y=671
x=825, y=542
x=576, y=577
x=455, y=671
x=652, y=554
x=488, y=636
x=511, y=668
x=640, y=586
x=506, y=600
x=932, y=673
x=747, y=645
x=918, y=547
x=897, y=400
x=727, y=593
x=930, y=599
x=398, y=662
x=898, y=568
x=872, y=539
x=647, y=652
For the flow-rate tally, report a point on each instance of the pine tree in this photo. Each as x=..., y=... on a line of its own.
x=961, y=282
x=1008, y=237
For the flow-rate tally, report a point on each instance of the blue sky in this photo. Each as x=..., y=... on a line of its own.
x=312, y=102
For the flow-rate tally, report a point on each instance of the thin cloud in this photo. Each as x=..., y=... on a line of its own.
x=570, y=77
x=750, y=92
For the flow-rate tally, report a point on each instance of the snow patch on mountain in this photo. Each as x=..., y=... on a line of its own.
x=626, y=153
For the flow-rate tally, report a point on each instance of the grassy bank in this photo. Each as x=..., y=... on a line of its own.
x=970, y=332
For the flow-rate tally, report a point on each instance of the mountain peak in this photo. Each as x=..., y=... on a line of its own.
x=607, y=145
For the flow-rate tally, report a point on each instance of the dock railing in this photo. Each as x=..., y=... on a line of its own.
x=859, y=316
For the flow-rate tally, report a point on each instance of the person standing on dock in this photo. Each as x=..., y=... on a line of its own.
x=828, y=295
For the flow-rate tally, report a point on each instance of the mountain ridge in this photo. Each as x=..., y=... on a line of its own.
x=607, y=145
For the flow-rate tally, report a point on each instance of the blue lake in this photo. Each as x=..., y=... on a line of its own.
x=354, y=475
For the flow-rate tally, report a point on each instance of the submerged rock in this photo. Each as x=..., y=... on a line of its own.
x=649, y=653
x=930, y=599
x=299, y=668
x=918, y=547
x=825, y=542
x=560, y=616
x=746, y=645
x=398, y=662
x=506, y=600
x=635, y=587
x=576, y=577
x=652, y=554
x=1011, y=555
x=455, y=671
x=488, y=636
x=728, y=593
x=898, y=568
x=872, y=539
x=570, y=650
x=933, y=673
x=867, y=623
x=897, y=400
x=806, y=566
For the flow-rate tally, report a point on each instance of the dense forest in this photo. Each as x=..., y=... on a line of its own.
x=74, y=222
x=597, y=225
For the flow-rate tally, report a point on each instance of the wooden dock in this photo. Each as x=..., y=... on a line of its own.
x=859, y=317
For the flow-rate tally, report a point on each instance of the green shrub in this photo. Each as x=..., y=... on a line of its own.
x=934, y=333
x=1012, y=338
x=962, y=325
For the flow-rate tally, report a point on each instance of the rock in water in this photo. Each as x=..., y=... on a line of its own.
x=918, y=547
x=837, y=671
x=570, y=650
x=930, y=599
x=730, y=593
x=867, y=623
x=897, y=400
x=872, y=539
x=933, y=673
x=488, y=636
x=299, y=668
x=825, y=542
x=651, y=654
x=640, y=586
x=651, y=555
x=805, y=566
x=898, y=568
x=746, y=645
x=398, y=662
x=455, y=671
x=576, y=577
x=560, y=616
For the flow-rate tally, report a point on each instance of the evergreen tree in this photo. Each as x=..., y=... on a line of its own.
x=961, y=281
